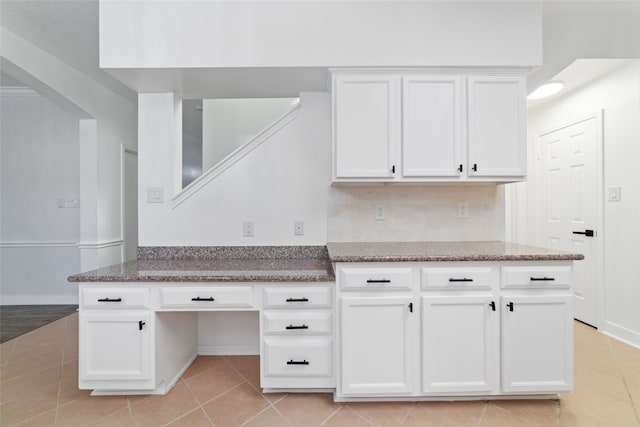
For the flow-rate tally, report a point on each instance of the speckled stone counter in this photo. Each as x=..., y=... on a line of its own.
x=442, y=251
x=219, y=264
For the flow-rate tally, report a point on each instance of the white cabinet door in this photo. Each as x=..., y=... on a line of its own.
x=432, y=127
x=460, y=342
x=377, y=345
x=497, y=126
x=537, y=344
x=366, y=116
x=115, y=346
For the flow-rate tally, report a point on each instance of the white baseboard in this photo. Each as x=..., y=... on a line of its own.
x=39, y=299
x=215, y=350
x=621, y=333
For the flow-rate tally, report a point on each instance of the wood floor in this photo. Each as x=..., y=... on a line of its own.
x=16, y=320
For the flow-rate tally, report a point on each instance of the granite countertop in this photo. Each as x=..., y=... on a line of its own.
x=443, y=251
x=299, y=263
x=219, y=264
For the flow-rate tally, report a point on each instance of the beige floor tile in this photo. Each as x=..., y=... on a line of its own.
x=34, y=363
x=27, y=406
x=160, y=410
x=496, y=417
x=201, y=364
x=268, y=418
x=535, y=412
x=274, y=398
x=462, y=414
x=48, y=419
x=196, y=418
x=384, y=414
x=596, y=380
x=121, y=418
x=235, y=407
x=304, y=409
x=28, y=384
x=596, y=409
x=421, y=416
x=248, y=367
x=345, y=417
x=92, y=408
x=213, y=382
x=69, y=391
x=5, y=351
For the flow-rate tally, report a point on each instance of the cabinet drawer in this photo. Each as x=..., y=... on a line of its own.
x=206, y=297
x=376, y=278
x=297, y=358
x=302, y=323
x=114, y=297
x=459, y=277
x=296, y=297
x=536, y=276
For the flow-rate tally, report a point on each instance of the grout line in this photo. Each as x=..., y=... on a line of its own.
x=358, y=415
x=484, y=411
x=281, y=414
x=198, y=408
x=624, y=380
x=340, y=406
x=407, y=414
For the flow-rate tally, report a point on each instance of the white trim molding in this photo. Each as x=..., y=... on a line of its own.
x=100, y=245
x=236, y=156
x=38, y=244
x=18, y=91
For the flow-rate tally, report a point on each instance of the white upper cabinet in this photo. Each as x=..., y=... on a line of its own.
x=432, y=126
x=366, y=133
x=418, y=127
x=497, y=126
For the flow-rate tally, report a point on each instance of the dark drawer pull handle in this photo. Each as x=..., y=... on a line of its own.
x=587, y=233
x=298, y=299
x=303, y=326
x=297, y=362
x=202, y=299
x=141, y=324
x=492, y=304
x=110, y=300
x=378, y=281
x=461, y=280
x=510, y=305
x=542, y=279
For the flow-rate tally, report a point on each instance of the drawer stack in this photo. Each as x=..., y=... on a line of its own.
x=297, y=344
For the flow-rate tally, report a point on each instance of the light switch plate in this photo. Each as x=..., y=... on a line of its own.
x=615, y=194
x=298, y=228
x=381, y=212
x=463, y=210
x=247, y=228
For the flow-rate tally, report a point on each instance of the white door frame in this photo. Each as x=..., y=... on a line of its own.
x=599, y=150
x=123, y=152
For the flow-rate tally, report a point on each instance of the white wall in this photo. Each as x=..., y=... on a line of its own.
x=176, y=34
x=229, y=123
x=39, y=145
x=110, y=121
x=618, y=94
x=287, y=179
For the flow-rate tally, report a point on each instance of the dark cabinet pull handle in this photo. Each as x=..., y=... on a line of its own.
x=110, y=300
x=460, y=168
x=141, y=324
x=303, y=326
x=378, y=281
x=461, y=280
x=510, y=305
x=492, y=304
x=475, y=167
x=297, y=362
x=393, y=169
x=410, y=307
x=588, y=233
x=202, y=299
x=542, y=279
x=297, y=299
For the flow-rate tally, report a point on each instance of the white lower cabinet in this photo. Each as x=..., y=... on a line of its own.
x=460, y=342
x=117, y=350
x=377, y=345
x=537, y=344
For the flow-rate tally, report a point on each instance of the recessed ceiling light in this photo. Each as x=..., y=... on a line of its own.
x=546, y=90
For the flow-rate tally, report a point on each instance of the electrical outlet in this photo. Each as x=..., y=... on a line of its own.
x=298, y=228
x=155, y=195
x=381, y=212
x=247, y=228
x=463, y=210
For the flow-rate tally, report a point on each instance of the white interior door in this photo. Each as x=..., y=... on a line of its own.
x=569, y=191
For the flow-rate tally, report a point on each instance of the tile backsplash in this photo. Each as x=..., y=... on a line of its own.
x=415, y=213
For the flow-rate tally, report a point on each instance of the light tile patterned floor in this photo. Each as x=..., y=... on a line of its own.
x=38, y=387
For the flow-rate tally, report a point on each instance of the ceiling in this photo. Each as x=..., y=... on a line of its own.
x=68, y=29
